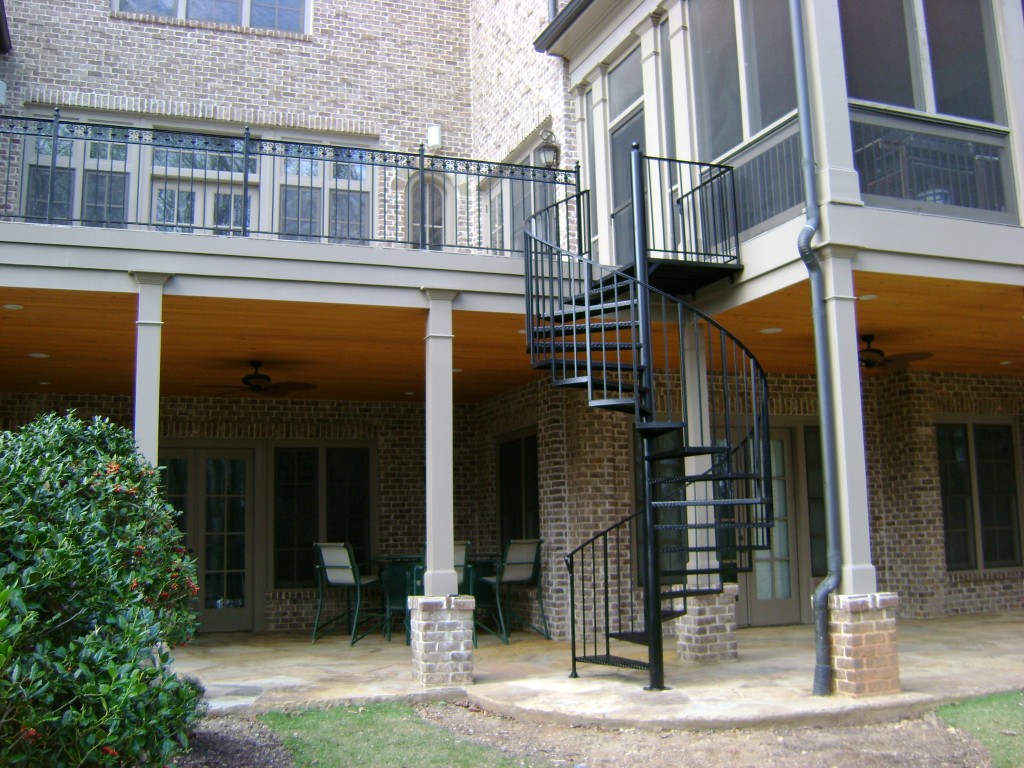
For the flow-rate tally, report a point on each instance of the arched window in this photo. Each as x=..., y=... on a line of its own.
x=427, y=213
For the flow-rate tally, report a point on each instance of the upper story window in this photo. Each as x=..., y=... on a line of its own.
x=937, y=56
x=743, y=70
x=284, y=15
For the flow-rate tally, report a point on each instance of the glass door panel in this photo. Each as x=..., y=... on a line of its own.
x=771, y=593
x=225, y=578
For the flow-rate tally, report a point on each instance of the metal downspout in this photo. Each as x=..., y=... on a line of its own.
x=819, y=603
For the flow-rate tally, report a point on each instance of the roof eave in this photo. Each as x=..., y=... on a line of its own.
x=560, y=25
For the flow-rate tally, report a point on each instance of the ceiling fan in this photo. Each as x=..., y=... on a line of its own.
x=261, y=384
x=872, y=357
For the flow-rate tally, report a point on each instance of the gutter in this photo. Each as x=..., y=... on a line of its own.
x=560, y=23
x=819, y=602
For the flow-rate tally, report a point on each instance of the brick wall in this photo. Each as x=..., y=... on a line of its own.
x=586, y=480
x=515, y=89
x=369, y=67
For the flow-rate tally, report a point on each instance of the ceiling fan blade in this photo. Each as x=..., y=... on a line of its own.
x=905, y=359
x=283, y=387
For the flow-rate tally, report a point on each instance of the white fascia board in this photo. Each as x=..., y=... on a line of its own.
x=879, y=234
x=56, y=256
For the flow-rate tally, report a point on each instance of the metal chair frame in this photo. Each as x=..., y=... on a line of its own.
x=520, y=565
x=336, y=568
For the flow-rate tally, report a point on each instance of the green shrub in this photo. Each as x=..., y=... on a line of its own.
x=94, y=591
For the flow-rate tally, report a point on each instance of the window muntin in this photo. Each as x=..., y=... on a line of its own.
x=184, y=205
x=104, y=198
x=173, y=209
x=935, y=56
x=300, y=213
x=980, y=505
x=427, y=213
x=283, y=15
x=44, y=205
x=349, y=215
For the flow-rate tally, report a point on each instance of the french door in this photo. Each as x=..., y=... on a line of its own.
x=771, y=593
x=214, y=491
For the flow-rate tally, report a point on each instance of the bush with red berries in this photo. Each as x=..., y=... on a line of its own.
x=95, y=585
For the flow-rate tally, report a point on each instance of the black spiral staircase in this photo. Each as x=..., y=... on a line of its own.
x=698, y=397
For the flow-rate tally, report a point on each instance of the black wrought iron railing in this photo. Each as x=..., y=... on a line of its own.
x=691, y=211
x=56, y=171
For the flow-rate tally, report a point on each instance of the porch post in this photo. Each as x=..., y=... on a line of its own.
x=858, y=572
x=149, y=328
x=440, y=578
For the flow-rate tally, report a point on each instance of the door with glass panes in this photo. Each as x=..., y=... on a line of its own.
x=213, y=489
x=771, y=593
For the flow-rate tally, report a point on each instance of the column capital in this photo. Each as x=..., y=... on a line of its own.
x=439, y=294
x=151, y=278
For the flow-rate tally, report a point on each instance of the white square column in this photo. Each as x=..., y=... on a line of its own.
x=858, y=572
x=148, y=332
x=440, y=578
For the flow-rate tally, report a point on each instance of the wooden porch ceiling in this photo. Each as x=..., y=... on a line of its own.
x=372, y=353
x=348, y=352
x=967, y=327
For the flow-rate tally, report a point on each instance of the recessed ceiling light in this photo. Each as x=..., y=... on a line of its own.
x=769, y=331
x=456, y=370
x=13, y=306
x=44, y=383
x=868, y=297
x=38, y=355
x=408, y=393
x=1006, y=362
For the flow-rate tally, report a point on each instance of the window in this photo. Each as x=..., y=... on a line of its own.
x=48, y=203
x=980, y=505
x=320, y=494
x=519, y=499
x=173, y=209
x=934, y=55
x=300, y=213
x=79, y=180
x=319, y=190
x=285, y=15
x=427, y=214
x=349, y=215
x=734, y=39
x=626, y=113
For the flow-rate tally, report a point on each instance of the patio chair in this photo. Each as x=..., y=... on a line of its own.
x=519, y=566
x=400, y=579
x=337, y=568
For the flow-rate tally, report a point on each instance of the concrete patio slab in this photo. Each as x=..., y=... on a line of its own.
x=770, y=684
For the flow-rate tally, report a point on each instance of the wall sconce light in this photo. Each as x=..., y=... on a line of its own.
x=547, y=152
x=433, y=137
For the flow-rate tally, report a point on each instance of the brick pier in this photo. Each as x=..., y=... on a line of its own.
x=865, y=660
x=442, y=640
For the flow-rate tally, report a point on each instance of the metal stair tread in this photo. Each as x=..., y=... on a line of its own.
x=611, y=660
x=687, y=451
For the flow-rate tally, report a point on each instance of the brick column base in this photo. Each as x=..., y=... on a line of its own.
x=862, y=629
x=707, y=633
x=442, y=640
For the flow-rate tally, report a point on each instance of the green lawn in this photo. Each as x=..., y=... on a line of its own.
x=996, y=721
x=387, y=735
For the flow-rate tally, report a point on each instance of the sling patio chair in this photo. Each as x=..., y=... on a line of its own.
x=520, y=565
x=337, y=568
